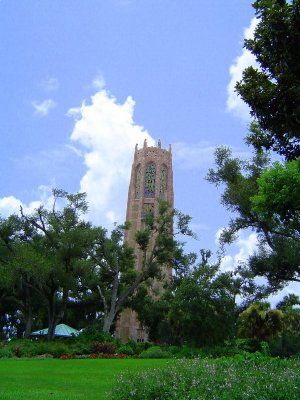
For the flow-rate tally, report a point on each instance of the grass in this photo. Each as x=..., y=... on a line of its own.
x=64, y=380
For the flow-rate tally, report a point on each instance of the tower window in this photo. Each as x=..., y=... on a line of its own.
x=163, y=182
x=150, y=180
x=138, y=177
x=148, y=208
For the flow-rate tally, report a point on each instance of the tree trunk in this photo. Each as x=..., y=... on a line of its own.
x=108, y=320
x=28, y=322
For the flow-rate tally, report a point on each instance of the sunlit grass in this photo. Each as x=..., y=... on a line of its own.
x=64, y=380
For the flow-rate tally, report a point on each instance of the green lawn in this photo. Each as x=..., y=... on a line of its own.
x=63, y=379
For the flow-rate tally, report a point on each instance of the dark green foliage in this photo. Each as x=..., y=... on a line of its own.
x=126, y=349
x=155, y=352
x=6, y=353
x=265, y=199
x=186, y=352
x=104, y=347
x=272, y=92
x=259, y=322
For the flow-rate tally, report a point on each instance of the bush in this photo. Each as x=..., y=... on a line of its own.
x=155, y=352
x=55, y=348
x=81, y=347
x=126, y=349
x=254, y=377
x=6, y=353
x=286, y=345
x=250, y=345
x=189, y=352
x=94, y=333
x=104, y=348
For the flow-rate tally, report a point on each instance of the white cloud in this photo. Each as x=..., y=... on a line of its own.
x=243, y=247
x=107, y=134
x=99, y=82
x=50, y=84
x=42, y=109
x=11, y=205
x=234, y=103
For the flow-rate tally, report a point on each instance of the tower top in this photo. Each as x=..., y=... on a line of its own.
x=146, y=146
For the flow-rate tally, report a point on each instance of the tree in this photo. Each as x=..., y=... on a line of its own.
x=198, y=307
x=117, y=277
x=272, y=91
x=289, y=305
x=278, y=198
x=265, y=199
x=45, y=254
x=202, y=311
x=277, y=203
x=17, y=299
x=259, y=322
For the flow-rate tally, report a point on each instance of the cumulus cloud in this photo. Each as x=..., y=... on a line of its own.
x=50, y=84
x=105, y=134
x=234, y=103
x=11, y=205
x=99, y=82
x=42, y=109
x=245, y=245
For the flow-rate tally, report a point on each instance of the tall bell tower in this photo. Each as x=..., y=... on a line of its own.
x=151, y=179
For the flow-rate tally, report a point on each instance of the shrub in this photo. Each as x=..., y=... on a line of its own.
x=286, y=345
x=81, y=347
x=6, y=353
x=254, y=377
x=155, y=352
x=21, y=347
x=55, y=348
x=175, y=350
x=126, y=349
x=104, y=348
x=250, y=345
x=94, y=333
x=189, y=352
x=138, y=347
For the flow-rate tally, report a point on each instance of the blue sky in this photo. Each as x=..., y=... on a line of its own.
x=83, y=81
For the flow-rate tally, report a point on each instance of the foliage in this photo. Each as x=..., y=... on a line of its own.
x=285, y=345
x=116, y=276
x=43, y=255
x=249, y=186
x=186, y=352
x=259, y=322
x=278, y=197
x=252, y=377
x=277, y=205
x=126, y=349
x=155, y=352
x=104, y=348
x=272, y=90
x=202, y=310
x=197, y=308
x=6, y=353
x=93, y=332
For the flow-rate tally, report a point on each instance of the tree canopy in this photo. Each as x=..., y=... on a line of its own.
x=264, y=198
x=272, y=90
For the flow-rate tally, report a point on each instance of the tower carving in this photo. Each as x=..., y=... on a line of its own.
x=151, y=179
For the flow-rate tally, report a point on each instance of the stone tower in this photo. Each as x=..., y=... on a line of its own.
x=151, y=179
